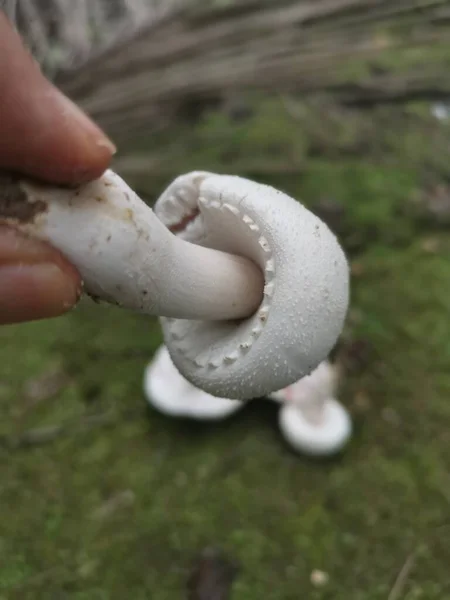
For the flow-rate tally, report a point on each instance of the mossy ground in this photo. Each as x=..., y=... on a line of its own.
x=118, y=502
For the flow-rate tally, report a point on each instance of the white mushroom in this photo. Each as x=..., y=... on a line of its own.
x=170, y=393
x=253, y=287
x=311, y=420
x=306, y=286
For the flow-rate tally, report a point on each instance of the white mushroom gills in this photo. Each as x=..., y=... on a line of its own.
x=253, y=288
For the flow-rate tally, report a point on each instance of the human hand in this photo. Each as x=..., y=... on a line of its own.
x=42, y=134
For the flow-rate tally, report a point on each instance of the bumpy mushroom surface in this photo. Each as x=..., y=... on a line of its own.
x=170, y=393
x=306, y=286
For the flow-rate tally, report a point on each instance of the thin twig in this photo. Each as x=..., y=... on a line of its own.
x=402, y=577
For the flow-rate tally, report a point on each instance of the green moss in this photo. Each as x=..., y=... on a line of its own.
x=174, y=487
x=236, y=483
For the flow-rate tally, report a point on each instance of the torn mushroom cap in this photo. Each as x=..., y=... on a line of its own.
x=306, y=289
x=170, y=393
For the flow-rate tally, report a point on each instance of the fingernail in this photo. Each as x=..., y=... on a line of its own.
x=94, y=135
x=105, y=142
x=36, y=291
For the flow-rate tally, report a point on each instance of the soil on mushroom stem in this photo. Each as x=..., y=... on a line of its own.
x=15, y=206
x=115, y=501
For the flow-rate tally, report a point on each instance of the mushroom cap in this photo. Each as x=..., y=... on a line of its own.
x=316, y=439
x=306, y=290
x=170, y=393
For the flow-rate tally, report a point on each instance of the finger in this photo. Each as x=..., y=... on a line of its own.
x=36, y=281
x=42, y=133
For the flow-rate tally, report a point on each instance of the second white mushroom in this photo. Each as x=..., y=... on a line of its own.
x=171, y=394
x=311, y=420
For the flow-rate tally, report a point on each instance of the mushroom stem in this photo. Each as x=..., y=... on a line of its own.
x=126, y=256
x=311, y=419
x=312, y=407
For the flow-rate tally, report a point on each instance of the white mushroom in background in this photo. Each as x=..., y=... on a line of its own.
x=252, y=287
x=170, y=393
x=311, y=419
x=441, y=111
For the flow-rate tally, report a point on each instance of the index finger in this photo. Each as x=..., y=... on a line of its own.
x=42, y=133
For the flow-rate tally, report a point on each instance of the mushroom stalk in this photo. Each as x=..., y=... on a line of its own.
x=311, y=420
x=313, y=405
x=127, y=256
